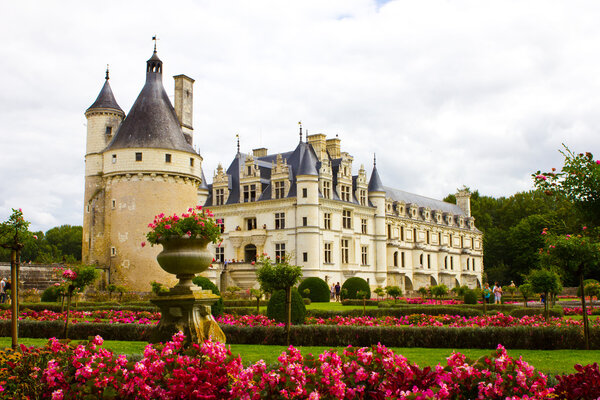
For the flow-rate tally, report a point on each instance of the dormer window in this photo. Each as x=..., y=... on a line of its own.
x=219, y=197
x=279, y=189
x=363, y=197
x=326, y=189
x=345, y=193
x=249, y=193
x=138, y=156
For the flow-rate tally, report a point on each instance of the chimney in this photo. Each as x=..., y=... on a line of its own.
x=318, y=143
x=184, y=101
x=262, y=152
x=333, y=148
x=463, y=200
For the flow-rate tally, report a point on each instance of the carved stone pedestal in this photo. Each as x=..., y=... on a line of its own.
x=187, y=311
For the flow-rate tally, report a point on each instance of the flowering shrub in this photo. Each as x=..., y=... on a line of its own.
x=196, y=223
x=581, y=385
x=210, y=371
x=109, y=316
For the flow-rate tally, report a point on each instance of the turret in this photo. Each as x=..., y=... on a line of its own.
x=463, y=200
x=377, y=198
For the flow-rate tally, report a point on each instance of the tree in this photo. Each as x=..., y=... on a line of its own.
x=361, y=294
x=67, y=240
x=279, y=276
x=394, y=292
x=13, y=234
x=257, y=294
x=76, y=279
x=578, y=181
x=544, y=281
x=592, y=289
x=379, y=291
x=439, y=290
x=577, y=254
x=527, y=292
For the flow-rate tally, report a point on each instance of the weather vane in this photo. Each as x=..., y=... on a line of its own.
x=155, y=38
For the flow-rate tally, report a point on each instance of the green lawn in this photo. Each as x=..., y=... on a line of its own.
x=548, y=361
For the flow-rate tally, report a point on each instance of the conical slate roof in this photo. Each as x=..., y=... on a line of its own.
x=307, y=160
x=105, y=99
x=152, y=121
x=375, y=184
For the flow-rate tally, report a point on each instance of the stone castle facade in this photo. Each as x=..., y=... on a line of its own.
x=305, y=203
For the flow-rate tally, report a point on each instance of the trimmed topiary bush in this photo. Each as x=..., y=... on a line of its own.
x=276, y=307
x=319, y=291
x=51, y=294
x=353, y=285
x=470, y=296
x=217, y=308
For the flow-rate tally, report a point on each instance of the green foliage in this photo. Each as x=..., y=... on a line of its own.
x=277, y=276
x=14, y=231
x=544, y=281
x=217, y=308
x=470, y=296
x=158, y=288
x=319, y=291
x=66, y=239
x=353, y=285
x=439, y=290
x=379, y=291
x=526, y=291
x=556, y=312
x=423, y=291
x=51, y=294
x=394, y=291
x=460, y=290
x=276, y=307
x=86, y=275
x=196, y=223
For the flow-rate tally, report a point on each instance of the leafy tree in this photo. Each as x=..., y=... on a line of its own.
x=394, y=292
x=578, y=181
x=257, y=294
x=76, y=279
x=544, y=281
x=279, y=276
x=361, y=294
x=439, y=290
x=379, y=291
x=67, y=240
x=527, y=292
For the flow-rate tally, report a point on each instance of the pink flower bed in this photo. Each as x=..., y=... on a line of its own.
x=106, y=316
x=576, y=310
x=420, y=300
x=210, y=371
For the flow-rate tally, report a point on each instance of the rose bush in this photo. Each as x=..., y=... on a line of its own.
x=196, y=223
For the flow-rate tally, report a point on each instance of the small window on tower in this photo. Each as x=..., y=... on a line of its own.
x=304, y=192
x=167, y=158
x=113, y=251
x=191, y=162
x=114, y=158
x=114, y=204
x=109, y=130
x=138, y=156
x=305, y=257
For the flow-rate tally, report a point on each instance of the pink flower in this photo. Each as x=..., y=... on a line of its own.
x=584, y=228
x=35, y=237
x=143, y=244
x=598, y=162
x=70, y=274
x=167, y=226
x=58, y=395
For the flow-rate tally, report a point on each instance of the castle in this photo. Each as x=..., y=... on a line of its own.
x=305, y=203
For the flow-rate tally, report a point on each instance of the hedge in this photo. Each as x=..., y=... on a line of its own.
x=250, y=303
x=552, y=312
x=319, y=291
x=241, y=310
x=353, y=285
x=354, y=302
x=521, y=337
x=396, y=312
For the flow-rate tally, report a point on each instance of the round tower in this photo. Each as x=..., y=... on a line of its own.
x=377, y=198
x=103, y=119
x=149, y=168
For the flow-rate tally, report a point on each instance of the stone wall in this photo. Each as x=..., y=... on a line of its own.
x=33, y=276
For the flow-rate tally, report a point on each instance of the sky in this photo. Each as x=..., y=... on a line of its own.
x=445, y=93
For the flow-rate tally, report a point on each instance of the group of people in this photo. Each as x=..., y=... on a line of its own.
x=336, y=291
x=4, y=288
x=496, y=291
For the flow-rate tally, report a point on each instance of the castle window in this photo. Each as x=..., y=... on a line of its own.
x=304, y=192
x=451, y=263
x=250, y=223
x=305, y=257
x=138, y=156
x=363, y=225
x=219, y=197
x=326, y=189
x=327, y=253
x=87, y=208
x=395, y=259
x=347, y=219
x=389, y=231
x=279, y=251
x=429, y=261
x=113, y=251
x=327, y=221
x=191, y=162
x=364, y=255
x=345, y=251
x=109, y=130
x=402, y=233
x=421, y=260
x=415, y=235
x=221, y=223
x=249, y=193
x=113, y=204
x=473, y=265
x=363, y=197
x=279, y=189
x=345, y=193
x=114, y=158
x=402, y=259
x=279, y=220
x=167, y=158
x=428, y=237
x=220, y=254
x=249, y=170
x=304, y=221
x=467, y=264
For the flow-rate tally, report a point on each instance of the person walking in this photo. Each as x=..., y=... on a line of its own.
x=333, y=291
x=338, y=290
x=497, y=293
x=487, y=293
x=2, y=291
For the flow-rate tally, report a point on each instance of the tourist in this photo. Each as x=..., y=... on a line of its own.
x=333, y=291
x=497, y=293
x=338, y=289
x=487, y=293
x=2, y=292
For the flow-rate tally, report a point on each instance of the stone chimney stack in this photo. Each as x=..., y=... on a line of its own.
x=333, y=148
x=184, y=102
x=318, y=143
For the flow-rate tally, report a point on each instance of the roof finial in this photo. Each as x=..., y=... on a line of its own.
x=107, y=72
x=300, y=125
x=238, y=143
x=155, y=38
x=374, y=160
x=307, y=136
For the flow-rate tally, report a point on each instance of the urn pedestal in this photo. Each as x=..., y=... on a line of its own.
x=186, y=307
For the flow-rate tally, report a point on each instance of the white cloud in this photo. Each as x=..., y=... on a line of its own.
x=446, y=93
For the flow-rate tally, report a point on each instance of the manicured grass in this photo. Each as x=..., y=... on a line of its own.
x=550, y=362
x=334, y=306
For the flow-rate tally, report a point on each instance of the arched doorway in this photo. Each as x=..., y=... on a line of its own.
x=432, y=281
x=407, y=284
x=250, y=253
x=456, y=283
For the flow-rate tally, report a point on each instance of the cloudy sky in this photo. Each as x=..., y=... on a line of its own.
x=446, y=93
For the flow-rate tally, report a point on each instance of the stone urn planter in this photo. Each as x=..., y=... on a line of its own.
x=184, y=257
x=186, y=307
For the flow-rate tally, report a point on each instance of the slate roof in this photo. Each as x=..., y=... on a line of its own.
x=375, y=184
x=106, y=98
x=152, y=121
x=422, y=201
